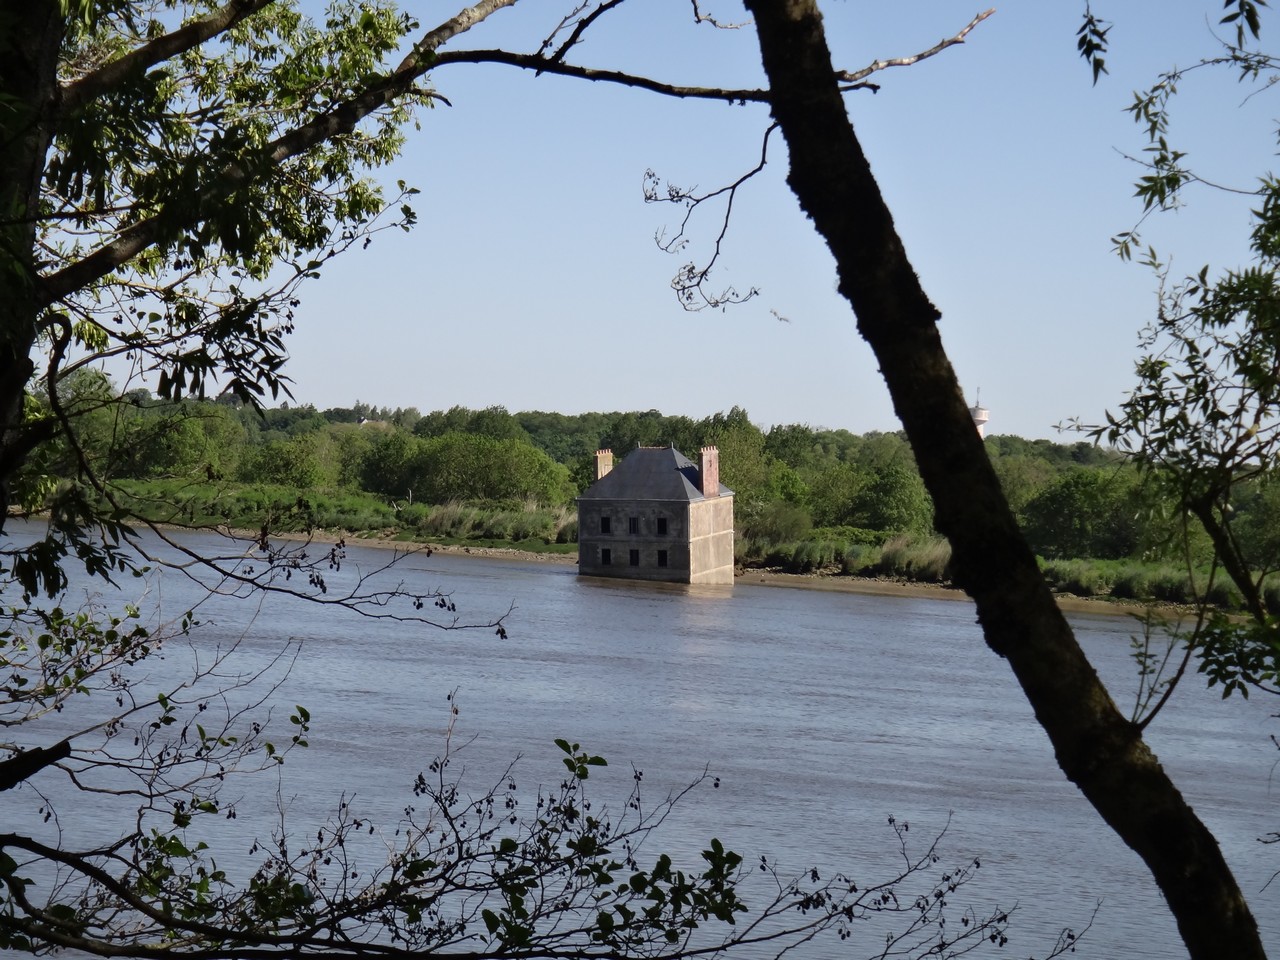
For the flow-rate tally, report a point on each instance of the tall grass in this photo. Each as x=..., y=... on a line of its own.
x=926, y=559
x=287, y=509
x=254, y=506
x=510, y=522
x=911, y=557
x=1145, y=582
x=915, y=557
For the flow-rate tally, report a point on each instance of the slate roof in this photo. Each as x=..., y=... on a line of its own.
x=650, y=473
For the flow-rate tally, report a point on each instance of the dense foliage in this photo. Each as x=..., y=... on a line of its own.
x=807, y=499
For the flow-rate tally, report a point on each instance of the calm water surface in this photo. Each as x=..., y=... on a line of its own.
x=822, y=713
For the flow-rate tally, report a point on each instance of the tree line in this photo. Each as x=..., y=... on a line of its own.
x=794, y=484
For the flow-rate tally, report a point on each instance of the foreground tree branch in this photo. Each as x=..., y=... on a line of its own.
x=1097, y=748
x=473, y=876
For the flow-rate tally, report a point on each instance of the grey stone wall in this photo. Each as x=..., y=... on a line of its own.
x=646, y=538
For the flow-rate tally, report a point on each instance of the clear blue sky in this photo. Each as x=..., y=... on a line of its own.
x=533, y=280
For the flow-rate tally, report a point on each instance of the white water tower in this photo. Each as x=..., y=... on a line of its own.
x=980, y=414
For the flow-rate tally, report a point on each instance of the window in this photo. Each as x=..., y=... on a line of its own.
x=633, y=525
x=606, y=556
x=635, y=558
x=604, y=524
x=662, y=558
x=662, y=528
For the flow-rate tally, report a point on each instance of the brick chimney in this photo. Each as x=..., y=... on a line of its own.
x=604, y=462
x=710, y=472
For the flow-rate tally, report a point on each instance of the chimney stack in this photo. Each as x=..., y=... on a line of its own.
x=604, y=462
x=710, y=472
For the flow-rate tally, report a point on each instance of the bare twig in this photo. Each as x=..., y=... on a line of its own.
x=580, y=23
x=854, y=79
x=700, y=17
x=690, y=282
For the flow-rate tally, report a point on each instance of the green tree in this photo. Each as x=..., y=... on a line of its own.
x=350, y=445
x=86, y=398
x=635, y=429
x=497, y=423
x=837, y=444
x=834, y=494
x=390, y=467
x=439, y=422
x=745, y=467
x=894, y=501
x=564, y=438
x=341, y=415
x=1022, y=477
x=878, y=451
x=459, y=466
x=406, y=418
x=794, y=444
x=303, y=462
x=292, y=421
x=1085, y=513
x=1256, y=524
x=190, y=440
x=780, y=522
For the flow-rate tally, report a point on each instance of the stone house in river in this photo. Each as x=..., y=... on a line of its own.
x=657, y=515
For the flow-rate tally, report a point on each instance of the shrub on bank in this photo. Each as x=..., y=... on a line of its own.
x=916, y=557
x=1224, y=594
x=509, y=521
x=1143, y=582
x=1081, y=578
x=1170, y=585
x=859, y=559
x=414, y=515
x=448, y=520
x=810, y=556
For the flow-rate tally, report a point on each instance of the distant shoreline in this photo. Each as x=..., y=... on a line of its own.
x=841, y=583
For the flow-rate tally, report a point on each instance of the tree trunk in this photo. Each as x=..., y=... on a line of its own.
x=29, y=42
x=1097, y=748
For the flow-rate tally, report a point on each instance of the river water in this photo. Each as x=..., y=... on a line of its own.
x=822, y=713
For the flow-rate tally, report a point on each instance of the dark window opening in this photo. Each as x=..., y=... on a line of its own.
x=662, y=528
x=635, y=558
x=604, y=524
x=633, y=524
x=662, y=558
x=606, y=556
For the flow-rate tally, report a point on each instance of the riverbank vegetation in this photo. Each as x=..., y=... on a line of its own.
x=808, y=500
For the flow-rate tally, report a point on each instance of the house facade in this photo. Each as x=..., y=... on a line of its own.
x=657, y=515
